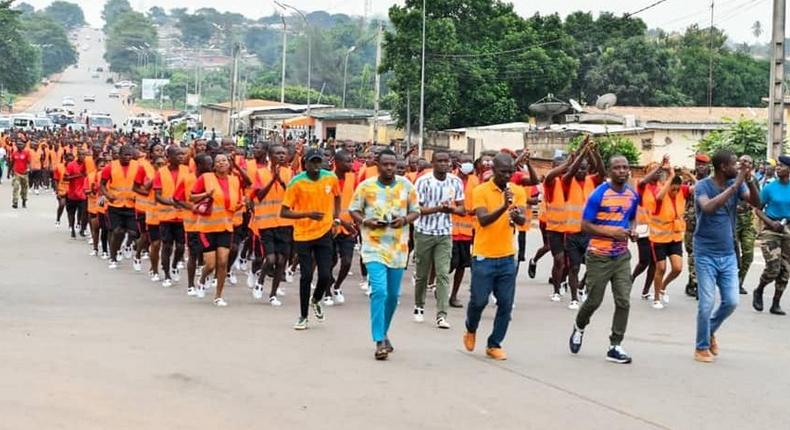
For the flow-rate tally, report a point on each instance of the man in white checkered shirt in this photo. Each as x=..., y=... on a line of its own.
x=441, y=194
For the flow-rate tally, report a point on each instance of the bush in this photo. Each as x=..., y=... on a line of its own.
x=743, y=137
x=611, y=145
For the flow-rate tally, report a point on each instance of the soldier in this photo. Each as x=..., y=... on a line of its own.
x=775, y=237
x=702, y=171
x=745, y=235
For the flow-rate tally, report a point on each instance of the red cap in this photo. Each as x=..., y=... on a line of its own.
x=702, y=158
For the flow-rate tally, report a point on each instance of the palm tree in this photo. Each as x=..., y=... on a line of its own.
x=757, y=29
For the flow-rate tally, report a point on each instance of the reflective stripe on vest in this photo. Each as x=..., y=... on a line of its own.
x=667, y=224
x=555, y=209
x=574, y=204
x=221, y=219
x=166, y=212
x=120, y=185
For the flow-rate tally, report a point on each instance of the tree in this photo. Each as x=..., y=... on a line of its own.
x=113, y=10
x=176, y=90
x=69, y=15
x=293, y=94
x=196, y=30
x=743, y=137
x=158, y=15
x=609, y=146
x=131, y=32
x=757, y=29
x=20, y=69
x=58, y=52
x=25, y=8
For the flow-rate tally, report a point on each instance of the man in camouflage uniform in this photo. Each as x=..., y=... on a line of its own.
x=745, y=235
x=775, y=237
x=702, y=171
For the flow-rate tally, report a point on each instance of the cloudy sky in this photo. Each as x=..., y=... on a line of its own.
x=735, y=16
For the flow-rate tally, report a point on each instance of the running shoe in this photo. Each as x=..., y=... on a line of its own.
x=191, y=292
x=281, y=291
x=556, y=297
x=301, y=324
x=575, y=341
x=275, y=302
x=113, y=265
x=144, y=255
x=232, y=278
x=57, y=224
x=533, y=268
x=175, y=274
x=647, y=296
x=93, y=253
x=339, y=298
x=220, y=302
x=419, y=314
x=155, y=277
x=180, y=265
x=658, y=305
x=289, y=276
x=563, y=288
x=105, y=255
x=665, y=298
x=574, y=305
x=257, y=293
x=200, y=292
x=252, y=279
x=617, y=354
x=441, y=322
x=318, y=311
x=137, y=265
x=328, y=301
x=364, y=285
x=167, y=283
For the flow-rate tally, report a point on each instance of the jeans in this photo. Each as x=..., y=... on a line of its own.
x=433, y=251
x=712, y=272
x=384, y=293
x=601, y=271
x=497, y=276
x=314, y=253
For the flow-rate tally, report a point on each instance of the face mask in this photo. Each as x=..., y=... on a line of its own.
x=467, y=168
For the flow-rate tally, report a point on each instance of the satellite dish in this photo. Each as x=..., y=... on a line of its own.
x=606, y=101
x=549, y=106
x=575, y=105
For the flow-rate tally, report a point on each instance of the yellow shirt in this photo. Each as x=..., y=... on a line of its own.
x=306, y=195
x=496, y=239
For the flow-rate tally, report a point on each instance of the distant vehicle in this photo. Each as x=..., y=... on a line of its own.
x=114, y=94
x=101, y=121
x=42, y=123
x=23, y=121
x=67, y=101
x=100, y=69
x=60, y=118
x=89, y=98
x=5, y=123
x=145, y=123
x=76, y=126
x=44, y=81
x=125, y=84
x=95, y=75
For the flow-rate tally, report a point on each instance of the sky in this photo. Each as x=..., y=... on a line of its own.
x=734, y=16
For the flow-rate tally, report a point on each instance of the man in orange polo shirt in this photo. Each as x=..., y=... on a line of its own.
x=312, y=199
x=498, y=208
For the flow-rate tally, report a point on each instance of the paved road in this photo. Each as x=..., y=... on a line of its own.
x=87, y=348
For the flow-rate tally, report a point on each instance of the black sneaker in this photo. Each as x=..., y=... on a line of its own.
x=388, y=345
x=691, y=290
x=533, y=267
x=575, y=341
x=318, y=311
x=617, y=354
x=24, y=204
x=14, y=205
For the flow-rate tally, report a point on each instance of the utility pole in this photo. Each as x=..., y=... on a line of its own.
x=408, y=119
x=776, y=91
x=285, y=45
x=710, y=61
x=422, y=85
x=234, y=83
x=378, y=85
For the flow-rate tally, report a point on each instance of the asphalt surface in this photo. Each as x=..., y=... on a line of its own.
x=84, y=347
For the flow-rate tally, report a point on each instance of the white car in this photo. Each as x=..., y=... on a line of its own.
x=89, y=98
x=76, y=126
x=114, y=94
x=41, y=123
x=67, y=101
x=5, y=123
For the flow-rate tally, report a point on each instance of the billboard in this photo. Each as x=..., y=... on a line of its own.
x=193, y=99
x=150, y=90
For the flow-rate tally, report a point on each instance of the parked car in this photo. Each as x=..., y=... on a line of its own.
x=89, y=98
x=41, y=123
x=67, y=101
x=5, y=123
x=114, y=94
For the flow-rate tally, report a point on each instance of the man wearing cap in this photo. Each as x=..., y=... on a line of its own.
x=701, y=171
x=312, y=200
x=775, y=237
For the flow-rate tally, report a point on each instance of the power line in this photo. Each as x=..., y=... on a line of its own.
x=650, y=6
x=493, y=54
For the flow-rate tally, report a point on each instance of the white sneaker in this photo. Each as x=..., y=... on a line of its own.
x=441, y=322
x=155, y=277
x=328, y=301
x=232, y=278
x=574, y=305
x=658, y=305
x=57, y=224
x=200, y=292
x=364, y=285
x=665, y=298
x=252, y=280
x=137, y=265
x=563, y=288
x=556, y=297
x=127, y=253
x=180, y=265
x=280, y=291
x=175, y=274
x=419, y=314
x=191, y=292
x=144, y=255
x=339, y=298
x=289, y=275
x=93, y=253
x=105, y=255
x=647, y=296
x=167, y=283
x=37, y=192
x=213, y=283
x=257, y=293
x=113, y=265
x=220, y=302
x=275, y=302
x=244, y=264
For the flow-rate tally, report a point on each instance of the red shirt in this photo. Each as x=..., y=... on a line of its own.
x=76, y=189
x=21, y=161
x=141, y=177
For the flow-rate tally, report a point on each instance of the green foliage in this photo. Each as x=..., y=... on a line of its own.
x=113, y=10
x=130, y=30
x=196, y=30
x=175, y=91
x=158, y=15
x=57, y=51
x=24, y=8
x=20, y=69
x=609, y=146
x=296, y=95
x=743, y=137
x=69, y=15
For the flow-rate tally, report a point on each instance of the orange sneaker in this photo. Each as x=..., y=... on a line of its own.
x=496, y=353
x=714, y=345
x=703, y=356
x=469, y=341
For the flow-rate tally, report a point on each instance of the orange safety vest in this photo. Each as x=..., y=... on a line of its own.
x=555, y=209
x=667, y=223
x=221, y=219
x=267, y=211
x=35, y=159
x=238, y=216
x=92, y=185
x=578, y=193
x=147, y=204
x=190, y=219
x=90, y=164
x=542, y=210
x=63, y=184
x=465, y=225
x=120, y=185
x=165, y=212
x=646, y=200
x=346, y=194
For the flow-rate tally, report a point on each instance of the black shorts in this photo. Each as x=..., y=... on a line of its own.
x=576, y=247
x=211, y=241
x=153, y=232
x=462, y=255
x=344, y=246
x=122, y=218
x=645, y=249
x=277, y=240
x=556, y=242
x=239, y=234
x=72, y=205
x=194, y=244
x=172, y=232
x=142, y=227
x=663, y=250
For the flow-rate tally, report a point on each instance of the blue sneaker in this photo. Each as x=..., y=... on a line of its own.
x=575, y=341
x=617, y=354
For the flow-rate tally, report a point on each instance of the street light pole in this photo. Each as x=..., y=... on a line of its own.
x=422, y=85
x=285, y=45
x=309, y=52
x=345, y=72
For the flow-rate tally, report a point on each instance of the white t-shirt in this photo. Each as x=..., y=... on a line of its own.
x=432, y=192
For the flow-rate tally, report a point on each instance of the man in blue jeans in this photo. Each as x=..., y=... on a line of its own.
x=384, y=206
x=716, y=199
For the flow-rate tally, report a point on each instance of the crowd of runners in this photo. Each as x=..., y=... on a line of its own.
x=211, y=213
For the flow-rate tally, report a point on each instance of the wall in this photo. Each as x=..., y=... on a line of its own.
x=678, y=144
x=216, y=119
x=363, y=132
